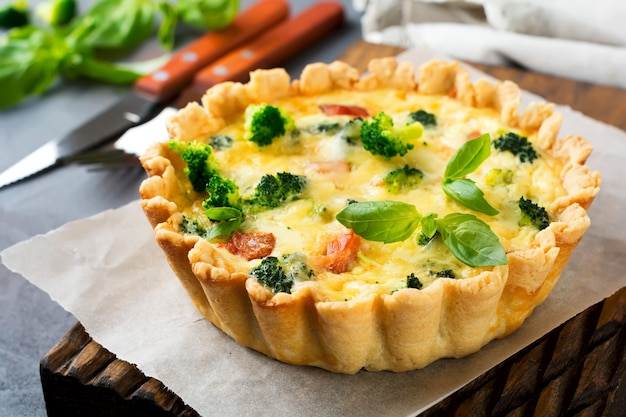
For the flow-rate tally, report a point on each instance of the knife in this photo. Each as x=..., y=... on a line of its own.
x=152, y=92
x=271, y=49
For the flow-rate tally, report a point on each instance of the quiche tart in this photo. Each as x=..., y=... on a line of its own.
x=375, y=221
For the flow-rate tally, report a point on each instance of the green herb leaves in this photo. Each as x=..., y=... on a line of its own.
x=465, y=191
x=468, y=157
x=381, y=221
x=207, y=14
x=470, y=239
x=83, y=45
x=30, y=58
x=465, y=161
x=228, y=220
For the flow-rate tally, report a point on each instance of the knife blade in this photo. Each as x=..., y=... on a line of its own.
x=271, y=49
x=152, y=92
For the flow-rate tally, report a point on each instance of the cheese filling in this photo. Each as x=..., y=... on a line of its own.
x=339, y=170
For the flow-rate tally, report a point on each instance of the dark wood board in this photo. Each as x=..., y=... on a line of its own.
x=579, y=369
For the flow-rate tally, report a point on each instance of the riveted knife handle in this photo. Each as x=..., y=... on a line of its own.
x=274, y=47
x=164, y=83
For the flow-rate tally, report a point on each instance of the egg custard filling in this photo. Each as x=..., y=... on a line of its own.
x=373, y=221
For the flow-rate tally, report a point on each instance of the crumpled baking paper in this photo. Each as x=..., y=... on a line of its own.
x=108, y=271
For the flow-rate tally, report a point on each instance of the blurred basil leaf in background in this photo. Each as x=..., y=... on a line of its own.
x=78, y=45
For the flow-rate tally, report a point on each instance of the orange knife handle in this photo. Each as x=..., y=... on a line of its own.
x=275, y=46
x=168, y=80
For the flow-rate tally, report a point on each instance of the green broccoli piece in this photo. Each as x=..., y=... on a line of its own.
x=13, y=15
x=194, y=226
x=403, y=179
x=279, y=274
x=263, y=123
x=427, y=120
x=533, y=214
x=223, y=192
x=413, y=282
x=381, y=137
x=351, y=131
x=499, y=177
x=201, y=163
x=275, y=190
x=518, y=145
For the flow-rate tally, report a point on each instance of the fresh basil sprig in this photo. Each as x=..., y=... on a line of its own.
x=33, y=57
x=470, y=239
x=228, y=220
x=465, y=161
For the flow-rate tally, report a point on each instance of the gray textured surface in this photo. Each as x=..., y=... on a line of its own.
x=30, y=322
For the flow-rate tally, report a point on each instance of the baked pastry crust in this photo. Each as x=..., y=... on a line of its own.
x=400, y=331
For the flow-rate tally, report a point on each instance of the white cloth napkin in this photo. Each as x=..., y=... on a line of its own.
x=575, y=39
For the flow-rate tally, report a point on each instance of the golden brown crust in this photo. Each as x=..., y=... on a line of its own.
x=409, y=328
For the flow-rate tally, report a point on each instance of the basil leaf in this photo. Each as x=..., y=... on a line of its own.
x=464, y=191
x=229, y=219
x=115, y=25
x=222, y=231
x=207, y=14
x=471, y=240
x=223, y=213
x=468, y=157
x=381, y=221
x=429, y=225
x=30, y=60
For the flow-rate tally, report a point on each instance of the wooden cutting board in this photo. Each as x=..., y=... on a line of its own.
x=578, y=369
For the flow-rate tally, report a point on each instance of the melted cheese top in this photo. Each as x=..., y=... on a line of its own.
x=338, y=171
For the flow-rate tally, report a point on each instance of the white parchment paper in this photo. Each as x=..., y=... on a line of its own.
x=108, y=271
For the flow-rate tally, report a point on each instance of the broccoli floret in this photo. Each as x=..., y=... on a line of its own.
x=275, y=190
x=223, y=192
x=264, y=123
x=13, y=15
x=427, y=120
x=498, y=177
x=351, y=131
x=201, y=163
x=381, y=137
x=533, y=214
x=280, y=273
x=403, y=179
x=518, y=145
x=194, y=226
x=413, y=282
x=220, y=142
